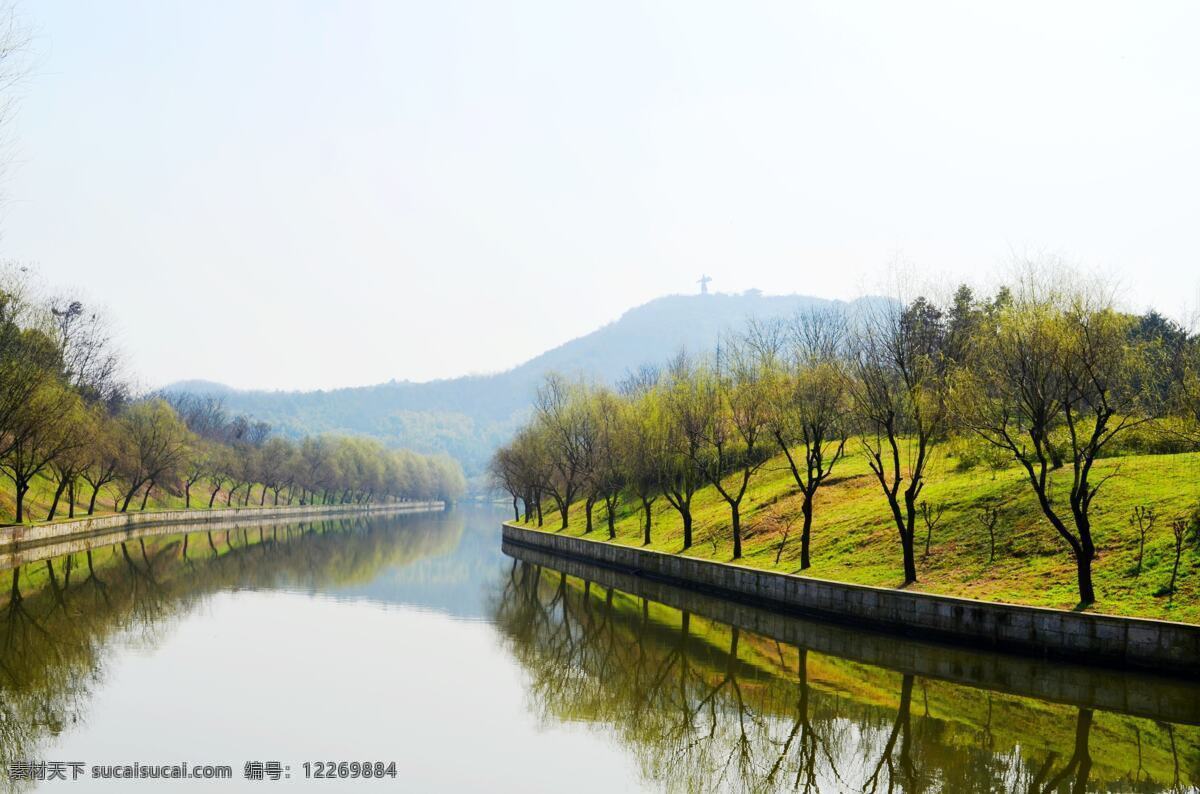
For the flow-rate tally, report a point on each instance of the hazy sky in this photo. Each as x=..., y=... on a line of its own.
x=294, y=194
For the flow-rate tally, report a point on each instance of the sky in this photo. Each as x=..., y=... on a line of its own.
x=317, y=194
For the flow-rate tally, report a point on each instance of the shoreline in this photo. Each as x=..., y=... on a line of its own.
x=20, y=536
x=1143, y=644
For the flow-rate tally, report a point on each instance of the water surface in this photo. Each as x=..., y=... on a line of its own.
x=415, y=639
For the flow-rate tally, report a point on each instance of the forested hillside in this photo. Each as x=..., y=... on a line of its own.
x=469, y=417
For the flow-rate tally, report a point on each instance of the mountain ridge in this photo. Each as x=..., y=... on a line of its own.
x=470, y=415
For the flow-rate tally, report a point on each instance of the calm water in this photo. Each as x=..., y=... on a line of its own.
x=415, y=639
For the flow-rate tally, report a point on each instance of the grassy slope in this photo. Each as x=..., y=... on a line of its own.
x=854, y=539
x=41, y=494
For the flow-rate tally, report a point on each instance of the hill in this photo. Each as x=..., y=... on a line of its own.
x=469, y=417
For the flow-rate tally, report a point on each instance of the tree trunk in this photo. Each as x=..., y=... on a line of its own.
x=71, y=499
x=516, y=511
x=212, y=497
x=1083, y=567
x=92, y=501
x=687, y=527
x=128, y=499
x=591, y=501
x=263, y=501
x=58, y=492
x=187, y=495
x=910, y=559
x=806, y=512
x=908, y=533
x=21, y=489
x=736, y=518
x=646, y=522
x=146, y=495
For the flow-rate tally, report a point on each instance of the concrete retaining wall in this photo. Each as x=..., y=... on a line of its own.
x=21, y=535
x=1134, y=643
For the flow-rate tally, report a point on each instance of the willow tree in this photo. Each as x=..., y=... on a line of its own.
x=561, y=412
x=643, y=447
x=684, y=421
x=810, y=409
x=730, y=413
x=1058, y=375
x=607, y=476
x=898, y=370
x=1185, y=397
x=504, y=473
x=153, y=441
x=43, y=431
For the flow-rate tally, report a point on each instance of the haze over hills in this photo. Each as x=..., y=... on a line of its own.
x=468, y=417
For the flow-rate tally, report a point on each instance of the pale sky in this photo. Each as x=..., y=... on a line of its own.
x=313, y=194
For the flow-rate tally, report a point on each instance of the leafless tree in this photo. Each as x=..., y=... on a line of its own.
x=931, y=515
x=1142, y=519
x=898, y=384
x=988, y=516
x=809, y=417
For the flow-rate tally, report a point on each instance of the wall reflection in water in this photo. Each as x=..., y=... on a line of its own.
x=705, y=705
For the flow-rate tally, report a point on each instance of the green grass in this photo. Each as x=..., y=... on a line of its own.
x=41, y=494
x=855, y=540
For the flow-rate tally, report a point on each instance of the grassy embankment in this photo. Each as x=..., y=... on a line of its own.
x=41, y=494
x=855, y=540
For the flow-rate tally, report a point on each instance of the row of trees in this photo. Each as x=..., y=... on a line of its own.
x=68, y=417
x=1046, y=374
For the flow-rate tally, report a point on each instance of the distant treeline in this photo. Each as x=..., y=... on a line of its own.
x=1046, y=374
x=68, y=417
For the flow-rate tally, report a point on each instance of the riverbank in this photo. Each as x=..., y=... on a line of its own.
x=20, y=535
x=854, y=537
x=1113, y=641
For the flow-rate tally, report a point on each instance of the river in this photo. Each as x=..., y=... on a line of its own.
x=415, y=640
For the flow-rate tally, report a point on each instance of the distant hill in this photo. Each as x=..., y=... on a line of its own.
x=469, y=417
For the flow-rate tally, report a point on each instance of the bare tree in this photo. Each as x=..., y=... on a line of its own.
x=898, y=385
x=931, y=515
x=1178, y=529
x=809, y=416
x=90, y=363
x=988, y=516
x=1142, y=519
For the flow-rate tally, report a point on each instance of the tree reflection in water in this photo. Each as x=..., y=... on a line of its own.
x=707, y=706
x=60, y=616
